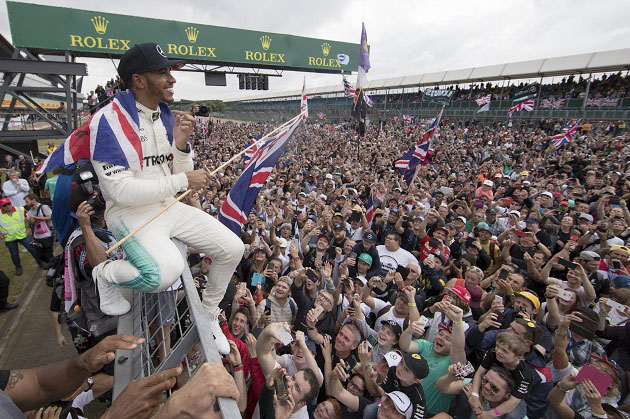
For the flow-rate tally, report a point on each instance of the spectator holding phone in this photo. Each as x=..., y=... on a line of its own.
x=620, y=334
x=278, y=307
x=352, y=397
x=577, y=279
x=303, y=385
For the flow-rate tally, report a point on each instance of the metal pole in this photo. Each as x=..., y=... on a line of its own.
x=588, y=87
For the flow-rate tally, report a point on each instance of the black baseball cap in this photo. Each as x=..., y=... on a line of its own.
x=141, y=58
x=417, y=364
x=394, y=325
x=369, y=237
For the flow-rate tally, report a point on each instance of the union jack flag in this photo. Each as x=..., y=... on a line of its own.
x=250, y=152
x=407, y=119
x=604, y=101
x=348, y=90
x=409, y=164
x=369, y=210
x=368, y=100
x=527, y=105
x=552, y=103
x=483, y=100
x=567, y=135
x=242, y=196
x=321, y=115
x=351, y=92
x=111, y=135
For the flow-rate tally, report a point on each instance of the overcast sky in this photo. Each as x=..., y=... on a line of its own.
x=405, y=37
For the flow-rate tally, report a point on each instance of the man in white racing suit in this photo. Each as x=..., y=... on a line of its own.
x=153, y=261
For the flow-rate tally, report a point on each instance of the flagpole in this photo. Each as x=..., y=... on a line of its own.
x=179, y=198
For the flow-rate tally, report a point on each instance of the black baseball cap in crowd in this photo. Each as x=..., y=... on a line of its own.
x=417, y=364
x=394, y=325
x=141, y=58
x=369, y=237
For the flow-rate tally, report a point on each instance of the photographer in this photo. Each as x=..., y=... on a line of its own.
x=38, y=217
x=85, y=248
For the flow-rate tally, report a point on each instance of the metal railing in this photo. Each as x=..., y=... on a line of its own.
x=176, y=331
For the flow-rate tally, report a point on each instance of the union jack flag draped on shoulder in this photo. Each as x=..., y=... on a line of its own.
x=242, y=196
x=528, y=106
x=483, y=100
x=567, y=135
x=111, y=135
x=409, y=164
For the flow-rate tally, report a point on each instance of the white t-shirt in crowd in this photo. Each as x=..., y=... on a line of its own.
x=378, y=306
x=390, y=261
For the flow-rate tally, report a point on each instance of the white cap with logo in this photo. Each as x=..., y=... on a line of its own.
x=401, y=402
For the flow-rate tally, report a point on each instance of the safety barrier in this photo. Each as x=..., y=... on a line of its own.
x=174, y=326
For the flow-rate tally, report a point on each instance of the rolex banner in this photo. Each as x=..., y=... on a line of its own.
x=97, y=34
x=441, y=96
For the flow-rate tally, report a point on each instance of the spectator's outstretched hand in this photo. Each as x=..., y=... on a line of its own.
x=143, y=397
x=105, y=351
x=284, y=410
x=198, y=396
x=365, y=354
x=251, y=345
x=184, y=124
x=327, y=348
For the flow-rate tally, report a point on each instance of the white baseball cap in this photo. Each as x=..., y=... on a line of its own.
x=547, y=193
x=393, y=358
x=401, y=402
x=515, y=212
x=488, y=183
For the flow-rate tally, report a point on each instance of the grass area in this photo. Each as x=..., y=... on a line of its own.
x=17, y=282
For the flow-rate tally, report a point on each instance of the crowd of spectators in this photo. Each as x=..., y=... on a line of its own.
x=497, y=285
x=611, y=86
x=102, y=95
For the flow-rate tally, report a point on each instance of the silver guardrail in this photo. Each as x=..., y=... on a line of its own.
x=176, y=332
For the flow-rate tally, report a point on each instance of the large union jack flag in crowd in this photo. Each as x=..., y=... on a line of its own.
x=410, y=163
x=111, y=135
x=527, y=105
x=242, y=196
x=251, y=151
x=483, y=100
x=567, y=135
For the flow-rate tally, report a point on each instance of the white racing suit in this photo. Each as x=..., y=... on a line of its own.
x=153, y=262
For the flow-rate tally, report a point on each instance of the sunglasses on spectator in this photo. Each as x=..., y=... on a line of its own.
x=484, y=381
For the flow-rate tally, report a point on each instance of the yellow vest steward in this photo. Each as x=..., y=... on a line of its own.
x=12, y=225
